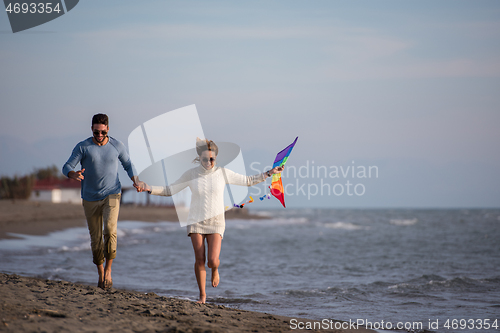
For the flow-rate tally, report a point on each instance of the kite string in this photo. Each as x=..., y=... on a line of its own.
x=268, y=196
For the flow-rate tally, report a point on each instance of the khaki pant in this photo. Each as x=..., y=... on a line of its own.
x=99, y=214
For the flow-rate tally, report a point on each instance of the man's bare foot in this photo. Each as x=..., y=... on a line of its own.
x=100, y=271
x=108, y=281
x=215, y=277
x=202, y=299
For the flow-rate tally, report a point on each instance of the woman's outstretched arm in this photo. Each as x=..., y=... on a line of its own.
x=238, y=179
x=166, y=191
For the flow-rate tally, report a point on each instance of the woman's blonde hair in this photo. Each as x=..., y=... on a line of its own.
x=202, y=145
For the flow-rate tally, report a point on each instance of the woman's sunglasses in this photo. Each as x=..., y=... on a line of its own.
x=205, y=160
x=96, y=133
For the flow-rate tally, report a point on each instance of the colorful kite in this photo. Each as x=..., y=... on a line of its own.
x=276, y=185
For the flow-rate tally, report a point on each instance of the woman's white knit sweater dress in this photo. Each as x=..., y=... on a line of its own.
x=206, y=212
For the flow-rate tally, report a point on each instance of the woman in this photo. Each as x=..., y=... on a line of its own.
x=206, y=213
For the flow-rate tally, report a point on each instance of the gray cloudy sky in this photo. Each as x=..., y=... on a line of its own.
x=409, y=87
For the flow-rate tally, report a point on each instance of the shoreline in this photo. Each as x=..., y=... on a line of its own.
x=40, y=218
x=31, y=304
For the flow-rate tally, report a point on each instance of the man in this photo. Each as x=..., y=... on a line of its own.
x=101, y=191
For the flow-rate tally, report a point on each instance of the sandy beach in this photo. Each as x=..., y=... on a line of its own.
x=37, y=305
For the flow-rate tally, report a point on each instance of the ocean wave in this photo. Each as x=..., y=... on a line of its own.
x=495, y=279
x=347, y=294
x=438, y=283
x=246, y=224
x=57, y=274
x=303, y=293
x=131, y=228
x=345, y=226
x=403, y=222
x=263, y=213
x=133, y=241
x=288, y=220
x=411, y=303
x=55, y=239
x=225, y=300
x=76, y=248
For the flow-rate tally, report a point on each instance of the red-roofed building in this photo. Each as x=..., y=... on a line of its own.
x=57, y=190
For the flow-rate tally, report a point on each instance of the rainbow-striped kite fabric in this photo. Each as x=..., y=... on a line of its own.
x=277, y=185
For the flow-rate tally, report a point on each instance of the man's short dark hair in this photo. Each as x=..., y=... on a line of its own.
x=100, y=118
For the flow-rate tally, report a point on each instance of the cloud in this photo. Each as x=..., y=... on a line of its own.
x=199, y=31
x=354, y=45
x=414, y=69
x=344, y=52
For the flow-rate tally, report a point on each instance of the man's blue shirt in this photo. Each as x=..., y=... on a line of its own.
x=101, y=167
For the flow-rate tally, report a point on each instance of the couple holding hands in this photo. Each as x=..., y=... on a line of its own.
x=101, y=191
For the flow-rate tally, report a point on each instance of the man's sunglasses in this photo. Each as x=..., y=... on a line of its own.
x=96, y=133
x=205, y=160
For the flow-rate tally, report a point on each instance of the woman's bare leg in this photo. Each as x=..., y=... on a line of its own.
x=214, y=245
x=199, y=266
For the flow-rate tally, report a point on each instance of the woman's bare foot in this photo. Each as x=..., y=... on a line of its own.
x=202, y=299
x=215, y=277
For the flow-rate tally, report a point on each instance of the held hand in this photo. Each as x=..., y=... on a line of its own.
x=137, y=183
x=78, y=175
x=277, y=170
x=142, y=187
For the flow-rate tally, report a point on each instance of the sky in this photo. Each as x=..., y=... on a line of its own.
x=408, y=90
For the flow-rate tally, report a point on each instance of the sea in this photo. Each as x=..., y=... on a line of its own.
x=397, y=270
